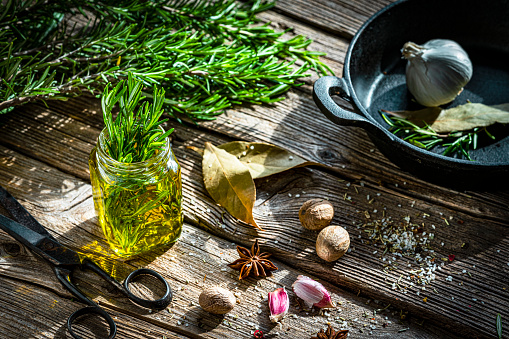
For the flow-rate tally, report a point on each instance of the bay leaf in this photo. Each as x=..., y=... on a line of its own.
x=264, y=159
x=460, y=118
x=229, y=183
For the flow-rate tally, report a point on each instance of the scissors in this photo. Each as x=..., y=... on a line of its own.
x=28, y=231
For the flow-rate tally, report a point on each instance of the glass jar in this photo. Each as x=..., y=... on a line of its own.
x=139, y=205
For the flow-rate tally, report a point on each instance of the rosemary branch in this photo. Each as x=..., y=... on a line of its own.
x=207, y=55
x=455, y=144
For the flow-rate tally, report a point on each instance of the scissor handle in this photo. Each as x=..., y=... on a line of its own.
x=64, y=275
x=92, y=310
x=157, y=304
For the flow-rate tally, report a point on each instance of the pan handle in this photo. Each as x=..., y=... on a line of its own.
x=323, y=88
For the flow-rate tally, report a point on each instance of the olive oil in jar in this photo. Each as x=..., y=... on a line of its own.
x=139, y=205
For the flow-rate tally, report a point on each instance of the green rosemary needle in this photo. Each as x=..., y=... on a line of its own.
x=134, y=135
x=499, y=326
x=207, y=55
x=455, y=144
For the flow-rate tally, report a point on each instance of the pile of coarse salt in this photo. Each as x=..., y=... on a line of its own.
x=403, y=242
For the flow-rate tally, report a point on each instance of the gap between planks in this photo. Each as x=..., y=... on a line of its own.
x=203, y=217
x=187, y=277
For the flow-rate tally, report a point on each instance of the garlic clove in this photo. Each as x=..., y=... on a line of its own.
x=312, y=292
x=278, y=304
x=326, y=301
x=437, y=71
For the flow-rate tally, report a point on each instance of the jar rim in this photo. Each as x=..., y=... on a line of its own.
x=101, y=150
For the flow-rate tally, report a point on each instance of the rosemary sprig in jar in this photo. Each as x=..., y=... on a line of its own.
x=135, y=134
x=135, y=176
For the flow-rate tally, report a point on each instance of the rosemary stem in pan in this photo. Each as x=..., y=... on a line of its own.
x=455, y=143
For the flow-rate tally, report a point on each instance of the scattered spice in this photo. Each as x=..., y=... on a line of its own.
x=397, y=240
x=252, y=262
x=331, y=334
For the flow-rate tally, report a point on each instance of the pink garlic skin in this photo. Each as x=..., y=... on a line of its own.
x=326, y=301
x=312, y=292
x=278, y=304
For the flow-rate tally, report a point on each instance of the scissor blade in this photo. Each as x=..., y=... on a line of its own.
x=20, y=213
x=44, y=245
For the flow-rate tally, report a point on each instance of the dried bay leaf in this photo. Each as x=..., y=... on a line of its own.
x=264, y=159
x=229, y=170
x=229, y=183
x=460, y=118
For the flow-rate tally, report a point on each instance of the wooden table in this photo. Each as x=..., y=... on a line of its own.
x=43, y=163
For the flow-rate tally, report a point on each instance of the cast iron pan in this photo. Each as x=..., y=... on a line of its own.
x=374, y=79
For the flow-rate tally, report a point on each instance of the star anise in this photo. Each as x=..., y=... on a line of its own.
x=331, y=334
x=252, y=262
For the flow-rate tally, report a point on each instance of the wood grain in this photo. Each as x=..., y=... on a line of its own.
x=341, y=17
x=198, y=260
x=29, y=311
x=44, y=162
x=361, y=270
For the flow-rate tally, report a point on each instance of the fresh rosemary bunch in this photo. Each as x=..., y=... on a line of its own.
x=453, y=144
x=208, y=55
x=134, y=135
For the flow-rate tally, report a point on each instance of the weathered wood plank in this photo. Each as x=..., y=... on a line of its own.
x=196, y=261
x=352, y=157
x=341, y=17
x=277, y=213
x=68, y=150
x=297, y=125
x=29, y=311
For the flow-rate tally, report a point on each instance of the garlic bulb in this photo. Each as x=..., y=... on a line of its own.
x=437, y=71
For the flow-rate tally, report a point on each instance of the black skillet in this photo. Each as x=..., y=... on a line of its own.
x=374, y=79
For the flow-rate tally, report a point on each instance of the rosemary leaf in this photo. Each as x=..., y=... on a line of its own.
x=207, y=55
x=134, y=135
x=499, y=326
x=456, y=144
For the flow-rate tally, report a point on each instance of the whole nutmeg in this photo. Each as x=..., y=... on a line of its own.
x=332, y=243
x=315, y=214
x=217, y=300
